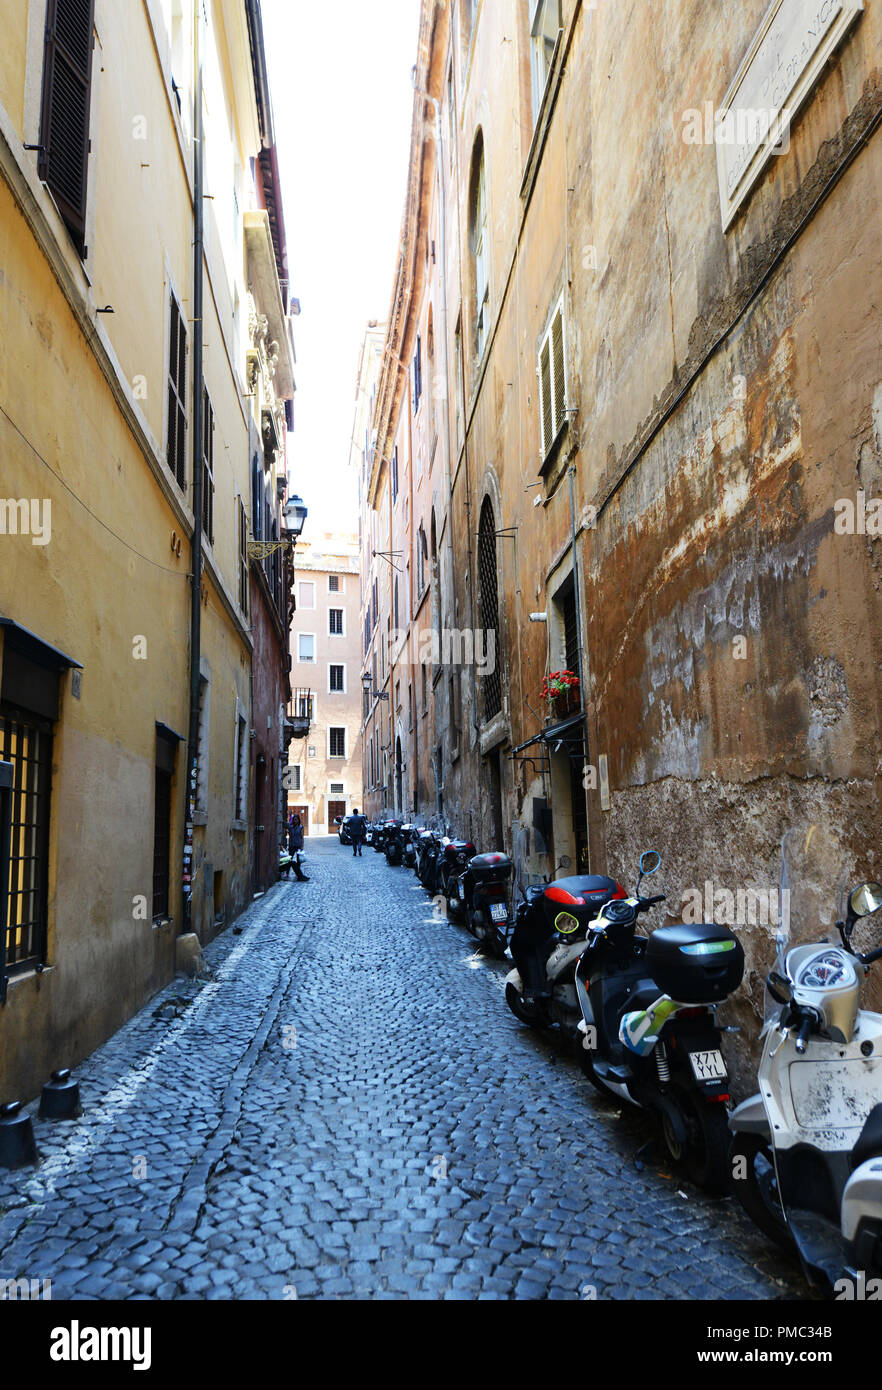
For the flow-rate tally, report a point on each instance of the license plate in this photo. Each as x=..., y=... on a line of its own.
x=708, y=1066
x=461, y=889
x=499, y=912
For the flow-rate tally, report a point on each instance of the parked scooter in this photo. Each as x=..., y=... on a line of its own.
x=394, y=844
x=379, y=841
x=430, y=859
x=453, y=861
x=484, y=891
x=806, y=1156
x=411, y=841
x=650, y=1034
x=369, y=833
x=551, y=927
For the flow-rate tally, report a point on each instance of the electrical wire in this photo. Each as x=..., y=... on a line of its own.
x=35, y=451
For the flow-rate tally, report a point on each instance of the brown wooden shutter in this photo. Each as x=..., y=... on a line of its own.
x=545, y=400
x=64, y=126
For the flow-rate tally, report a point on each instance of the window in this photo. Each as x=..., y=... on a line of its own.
x=305, y=707
x=240, y=789
x=64, y=122
x=295, y=777
x=457, y=367
x=488, y=581
x=409, y=706
x=335, y=622
x=336, y=743
x=417, y=374
x=334, y=585
x=395, y=475
x=337, y=788
x=422, y=557
x=451, y=107
x=396, y=617
x=453, y=706
x=552, y=382
x=544, y=29
x=306, y=646
x=479, y=240
x=176, y=441
x=337, y=680
x=305, y=594
x=425, y=691
x=207, y=467
x=166, y=748
x=26, y=742
x=243, y=557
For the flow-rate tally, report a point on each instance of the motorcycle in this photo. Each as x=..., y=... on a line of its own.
x=649, y=1028
x=379, y=840
x=484, y=890
x=806, y=1152
x=369, y=833
x=453, y=863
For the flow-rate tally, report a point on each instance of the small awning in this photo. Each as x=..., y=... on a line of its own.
x=35, y=649
x=551, y=733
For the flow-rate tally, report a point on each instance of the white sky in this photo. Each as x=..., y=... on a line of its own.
x=343, y=100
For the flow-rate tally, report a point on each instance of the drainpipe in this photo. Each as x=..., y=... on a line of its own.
x=572, y=472
x=196, y=547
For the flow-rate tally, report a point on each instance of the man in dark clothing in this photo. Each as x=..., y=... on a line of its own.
x=357, y=827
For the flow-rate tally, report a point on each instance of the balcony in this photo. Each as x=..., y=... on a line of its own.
x=301, y=713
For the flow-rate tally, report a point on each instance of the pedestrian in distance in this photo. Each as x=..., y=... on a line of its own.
x=295, y=843
x=357, y=827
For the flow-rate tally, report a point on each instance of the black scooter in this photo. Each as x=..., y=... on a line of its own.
x=650, y=1034
x=484, y=892
x=394, y=844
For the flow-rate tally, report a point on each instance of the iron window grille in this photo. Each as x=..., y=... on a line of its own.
x=489, y=606
x=26, y=742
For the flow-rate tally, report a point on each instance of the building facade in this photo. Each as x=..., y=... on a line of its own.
x=108, y=436
x=631, y=380
x=324, y=764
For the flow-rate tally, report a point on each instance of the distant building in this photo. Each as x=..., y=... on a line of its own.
x=324, y=766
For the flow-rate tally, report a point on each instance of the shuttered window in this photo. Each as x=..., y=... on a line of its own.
x=176, y=443
x=64, y=124
x=243, y=557
x=207, y=467
x=551, y=371
x=336, y=743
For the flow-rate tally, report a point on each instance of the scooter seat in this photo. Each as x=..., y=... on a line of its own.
x=869, y=1145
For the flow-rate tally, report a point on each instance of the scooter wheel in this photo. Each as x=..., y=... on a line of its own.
x=526, y=1013
x=754, y=1183
x=704, y=1154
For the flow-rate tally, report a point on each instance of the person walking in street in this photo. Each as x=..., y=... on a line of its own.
x=295, y=844
x=357, y=827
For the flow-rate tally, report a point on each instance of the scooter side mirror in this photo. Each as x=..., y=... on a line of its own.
x=780, y=988
x=864, y=900
x=650, y=862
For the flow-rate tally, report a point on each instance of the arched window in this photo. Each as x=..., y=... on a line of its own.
x=478, y=238
x=488, y=598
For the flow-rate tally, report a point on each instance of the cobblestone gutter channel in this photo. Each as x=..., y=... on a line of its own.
x=348, y=1110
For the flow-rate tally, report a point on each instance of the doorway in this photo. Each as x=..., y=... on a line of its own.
x=335, y=808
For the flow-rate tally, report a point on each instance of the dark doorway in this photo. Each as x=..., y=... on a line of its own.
x=494, y=781
x=335, y=808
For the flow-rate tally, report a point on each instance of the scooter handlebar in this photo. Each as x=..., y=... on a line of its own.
x=651, y=902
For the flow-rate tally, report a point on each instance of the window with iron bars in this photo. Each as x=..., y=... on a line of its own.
x=26, y=742
x=488, y=580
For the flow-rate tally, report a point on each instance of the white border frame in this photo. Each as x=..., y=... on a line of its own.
x=849, y=11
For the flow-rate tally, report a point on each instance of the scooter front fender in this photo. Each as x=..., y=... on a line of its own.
x=514, y=978
x=862, y=1199
x=750, y=1118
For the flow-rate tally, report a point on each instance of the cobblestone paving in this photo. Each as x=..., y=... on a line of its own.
x=349, y=1110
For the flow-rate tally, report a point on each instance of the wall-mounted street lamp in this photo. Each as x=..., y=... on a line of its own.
x=367, y=685
x=295, y=516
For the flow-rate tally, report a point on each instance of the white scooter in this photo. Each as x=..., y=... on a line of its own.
x=806, y=1156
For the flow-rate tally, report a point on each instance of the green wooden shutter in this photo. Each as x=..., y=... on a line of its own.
x=64, y=125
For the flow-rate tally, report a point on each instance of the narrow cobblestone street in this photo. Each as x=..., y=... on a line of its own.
x=349, y=1110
